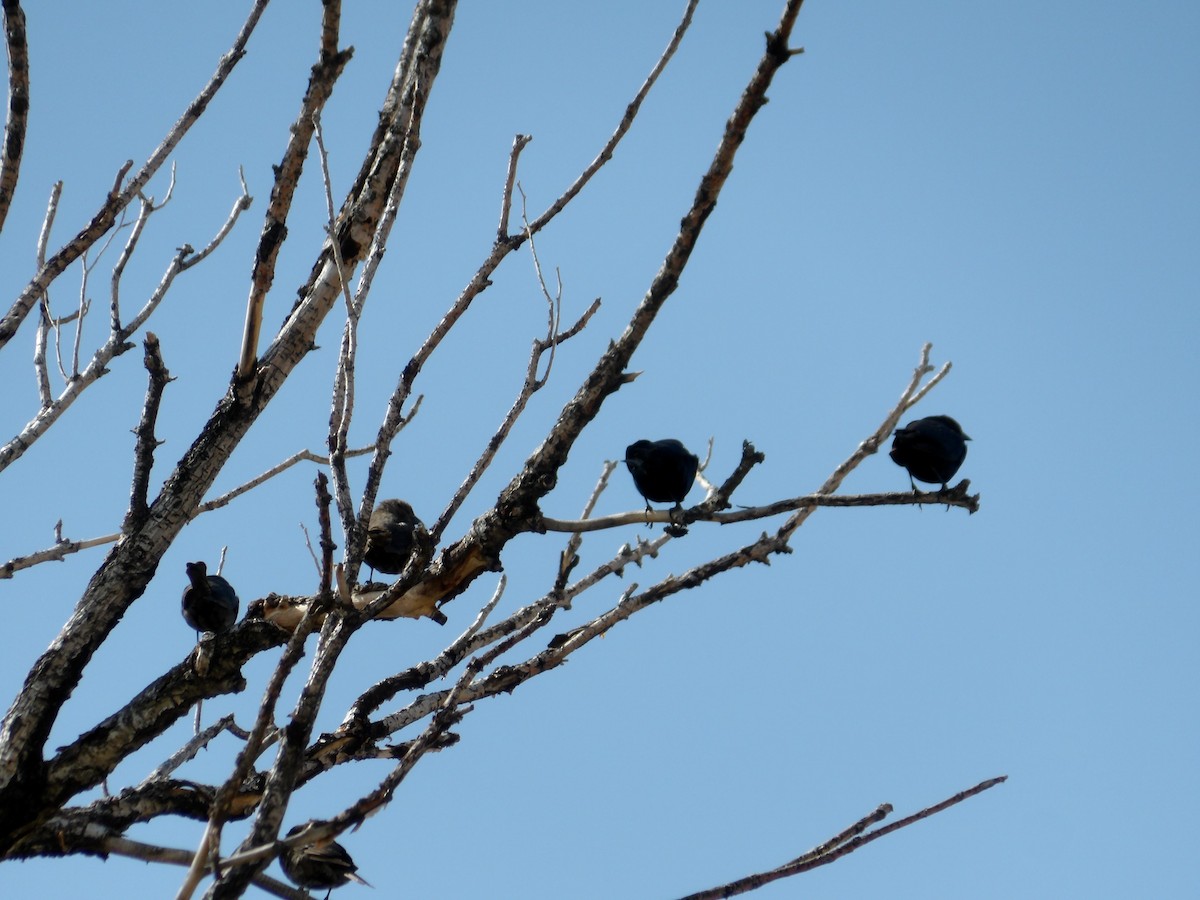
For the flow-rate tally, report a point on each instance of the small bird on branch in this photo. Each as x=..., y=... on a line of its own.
x=209, y=602
x=323, y=864
x=663, y=472
x=393, y=534
x=931, y=449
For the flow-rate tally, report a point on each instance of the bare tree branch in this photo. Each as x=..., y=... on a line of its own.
x=504, y=245
x=118, y=198
x=143, y=456
x=343, y=382
x=41, y=371
x=63, y=548
x=625, y=124
x=57, y=553
x=116, y=344
x=955, y=496
x=519, y=144
x=18, y=104
x=529, y=387
x=194, y=745
x=840, y=845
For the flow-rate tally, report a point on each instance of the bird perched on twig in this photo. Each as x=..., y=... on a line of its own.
x=323, y=864
x=393, y=533
x=663, y=472
x=209, y=602
x=931, y=449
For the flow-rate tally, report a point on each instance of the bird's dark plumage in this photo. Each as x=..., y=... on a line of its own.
x=663, y=471
x=324, y=864
x=931, y=449
x=209, y=602
x=392, y=535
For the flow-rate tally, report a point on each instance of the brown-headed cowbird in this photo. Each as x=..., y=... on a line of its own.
x=663, y=471
x=324, y=864
x=931, y=449
x=209, y=602
x=392, y=535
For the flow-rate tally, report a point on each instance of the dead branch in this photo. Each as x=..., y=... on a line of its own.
x=143, y=455
x=116, y=344
x=840, y=845
x=118, y=198
x=955, y=496
x=504, y=245
x=529, y=387
x=57, y=553
x=45, y=321
x=325, y=73
x=194, y=745
x=18, y=104
x=62, y=549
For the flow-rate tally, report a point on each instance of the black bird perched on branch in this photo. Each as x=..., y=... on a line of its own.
x=393, y=534
x=209, y=602
x=324, y=864
x=663, y=471
x=931, y=449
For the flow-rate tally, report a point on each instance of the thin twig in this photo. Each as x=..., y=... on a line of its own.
x=122, y=846
x=195, y=744
x=529, y=387
x=343, y=382
x=301, y=456
x=520, y=141
x=553, y=302
x=955, y=496
x=45, y=320
x=569, y=557
x=908, y=397
x=146, y=209
x=623, y=127
x=840, y=845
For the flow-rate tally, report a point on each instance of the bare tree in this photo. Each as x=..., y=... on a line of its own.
x=41, y=810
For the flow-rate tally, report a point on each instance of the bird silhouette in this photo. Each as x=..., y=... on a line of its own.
x=393, y=533
x=209, y=602
x=323, y=864
x=931, y=449
x=663, y=471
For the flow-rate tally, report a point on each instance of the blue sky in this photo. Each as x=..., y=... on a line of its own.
x=1017, y=184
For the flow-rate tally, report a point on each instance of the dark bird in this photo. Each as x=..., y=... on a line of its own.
x=931, y=449
x=393, y=533
x=209, y=602
x=663, y=471
x=323, y=864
